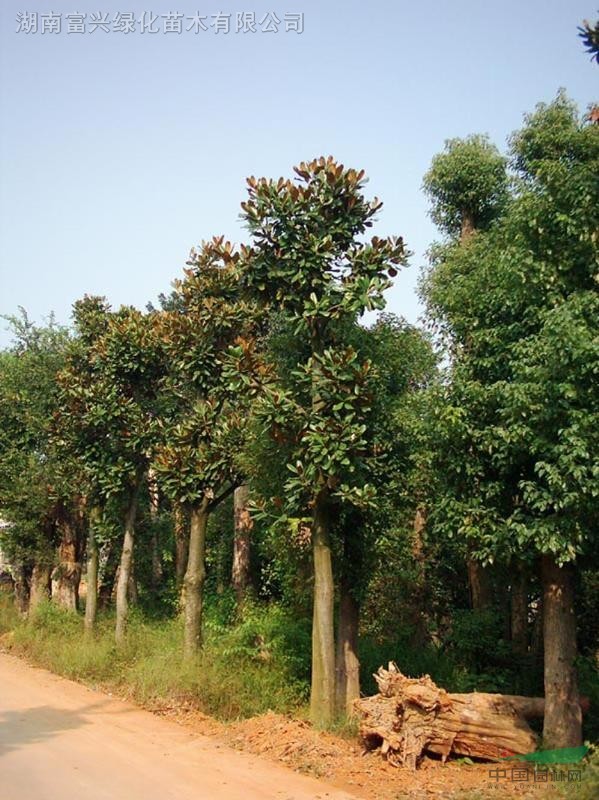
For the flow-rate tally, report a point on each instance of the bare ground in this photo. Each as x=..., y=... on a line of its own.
x=342, y=762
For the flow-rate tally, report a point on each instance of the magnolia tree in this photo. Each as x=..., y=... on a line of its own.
x=307, y=259
x=108, y=419
x=207, y=336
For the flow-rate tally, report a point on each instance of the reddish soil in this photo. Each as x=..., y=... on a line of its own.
x=341, y=762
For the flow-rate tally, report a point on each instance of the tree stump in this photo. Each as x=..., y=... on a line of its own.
x=412, y=716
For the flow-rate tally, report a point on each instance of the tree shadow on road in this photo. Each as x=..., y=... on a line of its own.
x=19, y=728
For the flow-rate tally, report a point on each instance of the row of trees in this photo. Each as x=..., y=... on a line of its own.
x=256, y=377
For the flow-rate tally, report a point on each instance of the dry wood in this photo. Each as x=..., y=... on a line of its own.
x=411, y=716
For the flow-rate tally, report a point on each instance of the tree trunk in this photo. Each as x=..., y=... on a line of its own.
x=132, y=591
x=222, y=568
x=419, y=600
x=67, y=575
x=519, y=610
x=240, y=574
x=21, y=579
x=322, y=696
x=107, y=569
x=563, y=716
x=124, y=571
x=194, y=580
x=481, y=590
x=347, y=673
x=157, y=571
x=468, y=226
x=536, y=637
x=91, y=595
x=181, y=544
x=40, y=585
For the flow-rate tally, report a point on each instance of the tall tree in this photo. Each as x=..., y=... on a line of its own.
x=306, y=258
x=467, y=186
x=108, y=416
x=520, y=303
x=207, y=336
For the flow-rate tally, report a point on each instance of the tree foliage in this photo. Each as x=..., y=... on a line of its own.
x=467, y=184
x=31, y=474
x=518, y=299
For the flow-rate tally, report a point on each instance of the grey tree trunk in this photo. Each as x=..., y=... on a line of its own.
x=91, y=596
x=347, y=672
x=322, y=695
x=40, y=585
x=481, y=595
x=124, y=571
x=563, y=716
x=195, y=576
x=240, y=574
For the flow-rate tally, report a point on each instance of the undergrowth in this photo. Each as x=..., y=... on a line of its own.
x=243, y=670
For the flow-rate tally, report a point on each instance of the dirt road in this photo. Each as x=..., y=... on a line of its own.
x=62, y=741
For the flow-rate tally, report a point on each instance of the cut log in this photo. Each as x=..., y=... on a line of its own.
x=412, y=716
x=527, y=707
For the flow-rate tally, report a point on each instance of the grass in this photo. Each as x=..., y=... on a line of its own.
x=243, y=670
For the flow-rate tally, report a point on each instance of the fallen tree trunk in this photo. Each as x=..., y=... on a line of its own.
x=411, y=716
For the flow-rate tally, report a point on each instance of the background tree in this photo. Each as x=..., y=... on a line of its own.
x=403, y=364
x=467, y=186
x=516, y=300
x=108, y=414
x=32, y=494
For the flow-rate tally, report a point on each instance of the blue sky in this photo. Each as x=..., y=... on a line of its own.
x=118, y=153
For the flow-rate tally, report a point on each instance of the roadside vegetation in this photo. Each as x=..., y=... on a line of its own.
x=234, y=678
